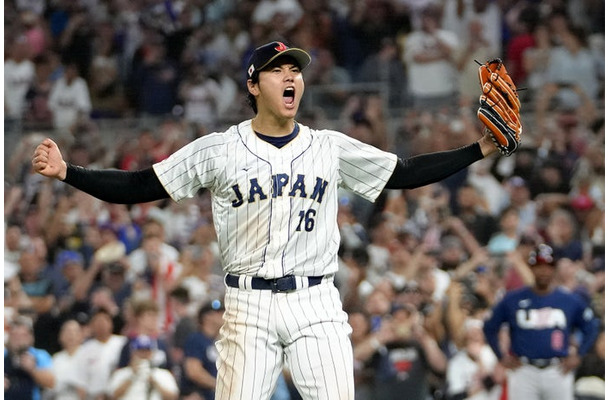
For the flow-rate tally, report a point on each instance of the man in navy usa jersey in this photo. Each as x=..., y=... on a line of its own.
x=542, y=321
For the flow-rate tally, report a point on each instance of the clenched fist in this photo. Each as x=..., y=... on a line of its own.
x=47, y=160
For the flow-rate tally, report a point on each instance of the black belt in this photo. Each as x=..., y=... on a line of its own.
x=284, y=284
x=541, y=362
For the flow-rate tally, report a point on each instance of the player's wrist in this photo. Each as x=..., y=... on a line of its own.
x=486, y=144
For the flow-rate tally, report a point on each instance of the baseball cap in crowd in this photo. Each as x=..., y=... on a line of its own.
x=265, y=54
x=582, y=202
x=543, y=254
x=142, y=342
x=69, y=256
x=517, y=181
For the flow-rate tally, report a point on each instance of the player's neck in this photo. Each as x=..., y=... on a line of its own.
x=272, y=126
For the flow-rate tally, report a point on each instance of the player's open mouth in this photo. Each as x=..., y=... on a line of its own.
x=288, y=96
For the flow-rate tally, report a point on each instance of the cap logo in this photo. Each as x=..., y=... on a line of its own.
x=251, y=70
x=280, y=47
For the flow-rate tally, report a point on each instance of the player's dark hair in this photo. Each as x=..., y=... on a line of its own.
x=250, y=97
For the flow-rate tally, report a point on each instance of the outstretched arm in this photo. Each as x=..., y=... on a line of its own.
x=113, y=186
x=428, y=168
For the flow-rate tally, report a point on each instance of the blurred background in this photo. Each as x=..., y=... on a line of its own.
x=123, y=84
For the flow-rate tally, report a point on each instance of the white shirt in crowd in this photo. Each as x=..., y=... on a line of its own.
x=140, y=387
x=435, y=78
x=69, y=101
x=95, y=363
x=18, y=76
x=65, y=371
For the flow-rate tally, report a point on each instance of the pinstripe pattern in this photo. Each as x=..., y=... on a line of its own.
x=275, y=214
x=308, y=325
x=261, y=237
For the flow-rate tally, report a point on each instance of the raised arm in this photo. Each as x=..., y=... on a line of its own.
x=111, y=185
x=428, y=168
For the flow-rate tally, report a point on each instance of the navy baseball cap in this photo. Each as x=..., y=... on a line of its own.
x=543, y=254
x=69, y=256
x=142, y=342
x=265, y=54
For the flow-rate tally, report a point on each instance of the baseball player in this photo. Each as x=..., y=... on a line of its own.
x=541, y=321
x=274, y=188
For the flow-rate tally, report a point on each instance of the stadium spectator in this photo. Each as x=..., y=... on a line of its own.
x=536, y=60
x=75, y=42
x=71, y=337
x=470, y=372
x=520, y=197
x=107, y=91
x=265, y=12
x=473, y=211
x=507, y=238
x=27, y=369
x=590, y=376
x=199, y=375
x=184, y=324
x=200, y=94
x=35, y=32
x=69, y=100
x=35, y=284
x=561, y=233
x=325, y=71
x=154, y=267
x=198, y=277
x=403, y=354
x=363, y=373
x=146, y=322
x=385, y=66
x=521, y=39
x=382, y=235
x=142, y=379
x=14, y=244
x=358, y=34
x=476, y=47
x=155, y=80
x=572, y=79
x=429, y=58
x=68, y=269
x=38, y=114
x=19, y=74
x=97, y=357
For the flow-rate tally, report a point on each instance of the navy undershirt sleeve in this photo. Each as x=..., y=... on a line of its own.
x=116, y=186
x=428, y=168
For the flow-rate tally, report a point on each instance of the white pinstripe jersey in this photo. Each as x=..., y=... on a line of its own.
x=275, y=209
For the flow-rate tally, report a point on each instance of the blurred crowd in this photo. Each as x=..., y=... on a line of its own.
x=94, y=288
